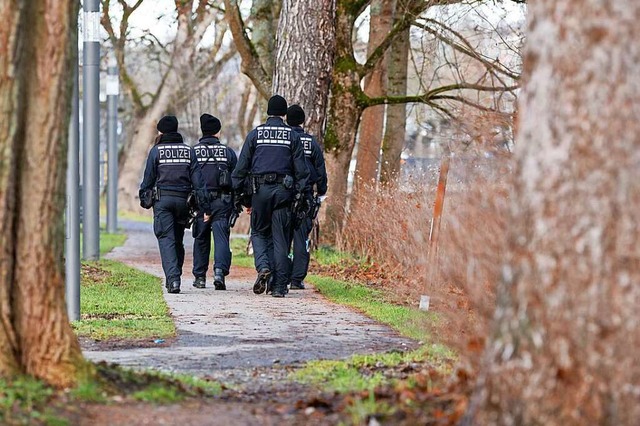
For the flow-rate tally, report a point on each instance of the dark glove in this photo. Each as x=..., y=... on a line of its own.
x=147, y=198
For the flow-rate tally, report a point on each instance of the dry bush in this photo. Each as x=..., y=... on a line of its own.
x=391, y=227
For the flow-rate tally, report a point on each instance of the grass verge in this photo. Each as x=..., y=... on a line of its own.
x=119, y=302
x=362, y=376
x=25, y=400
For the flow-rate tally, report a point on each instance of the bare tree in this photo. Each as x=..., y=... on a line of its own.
x=563, y=345
x=348, y=101
x=38, y=49
x=181, y=64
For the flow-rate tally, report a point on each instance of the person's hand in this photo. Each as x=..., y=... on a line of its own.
x=248, y=210
x=207, y=217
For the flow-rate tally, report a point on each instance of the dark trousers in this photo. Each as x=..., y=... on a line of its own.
x=219, y=226
x=170, y=214
x=271, y=232
x=301, y=250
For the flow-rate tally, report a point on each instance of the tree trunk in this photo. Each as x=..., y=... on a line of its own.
x=306, y=46
x=38, y=45
x=372, y=123
x=343, y=117
x=394, y=135
x=564, y=344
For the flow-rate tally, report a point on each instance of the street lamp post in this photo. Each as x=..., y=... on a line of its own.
x=91, y=131
x=113, y=91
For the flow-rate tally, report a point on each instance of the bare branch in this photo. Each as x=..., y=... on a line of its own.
x=404, y=21
x=465, y=47
x=251, y=65
x=433, y=95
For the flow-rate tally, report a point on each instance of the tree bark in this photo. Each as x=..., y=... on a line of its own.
x=563, y=349
x=343, y=118
x=395, y=128
x=36, y=337
x=372, y=123
x=304, y=58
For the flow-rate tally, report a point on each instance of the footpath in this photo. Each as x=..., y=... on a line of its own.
x=229, y=334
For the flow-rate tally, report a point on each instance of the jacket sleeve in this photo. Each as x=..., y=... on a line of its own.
x=243, y=165
x=233, y=159
x=199, y=185
x=317, y=158
x=300, y=169
x=149, y=179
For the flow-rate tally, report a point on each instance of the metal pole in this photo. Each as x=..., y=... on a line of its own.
x=91, y=131
x=72, y=242
x=112, y=146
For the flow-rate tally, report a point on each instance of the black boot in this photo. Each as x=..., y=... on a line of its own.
x=174, y=287
x=200, y=282
x=297, y=285
x=261, y=282
x=279, y=292
x=218, y=279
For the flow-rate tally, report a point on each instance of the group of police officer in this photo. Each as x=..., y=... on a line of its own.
x=279, y=177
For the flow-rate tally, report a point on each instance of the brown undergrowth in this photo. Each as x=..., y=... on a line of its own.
x=391, y=229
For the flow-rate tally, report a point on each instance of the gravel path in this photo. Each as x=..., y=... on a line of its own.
x=231, y=333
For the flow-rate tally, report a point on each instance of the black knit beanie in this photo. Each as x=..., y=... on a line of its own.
x=295, y=115
x=209, y=124
x=277, y=106
x=167, y=124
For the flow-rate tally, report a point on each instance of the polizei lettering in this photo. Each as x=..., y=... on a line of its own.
x=276, y=135
x=306, y=142
x=174, y=154
x=211, y=154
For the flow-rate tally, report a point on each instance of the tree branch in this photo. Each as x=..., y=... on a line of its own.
x=119, y=47
x=431, y=95
x=251, y=65
x=467, y=49
x=409, y=15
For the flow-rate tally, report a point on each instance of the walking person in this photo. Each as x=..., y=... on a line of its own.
x=272, y=157
x=316, y=187
x=218, y=162
x=171, y=173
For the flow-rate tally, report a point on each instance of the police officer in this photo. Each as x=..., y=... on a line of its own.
x=318, y=178
x=172, y=171
x=273, y=158
x=217, y=162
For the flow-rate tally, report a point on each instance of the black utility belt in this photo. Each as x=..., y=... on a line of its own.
x=269, y=178
x=216, y=193
x=170, y=193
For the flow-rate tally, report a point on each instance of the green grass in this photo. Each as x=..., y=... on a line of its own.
x=117, y=301
x=239, y=250
x=408, y=321
x=154, y=386
x=326, y=255
x=110, y=241
x=23, y=400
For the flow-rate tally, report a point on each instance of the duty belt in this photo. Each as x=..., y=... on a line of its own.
x=217, y=193
x=168, y=192
x=268, y=178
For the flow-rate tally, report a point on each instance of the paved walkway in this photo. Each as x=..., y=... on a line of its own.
x=236, y=329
